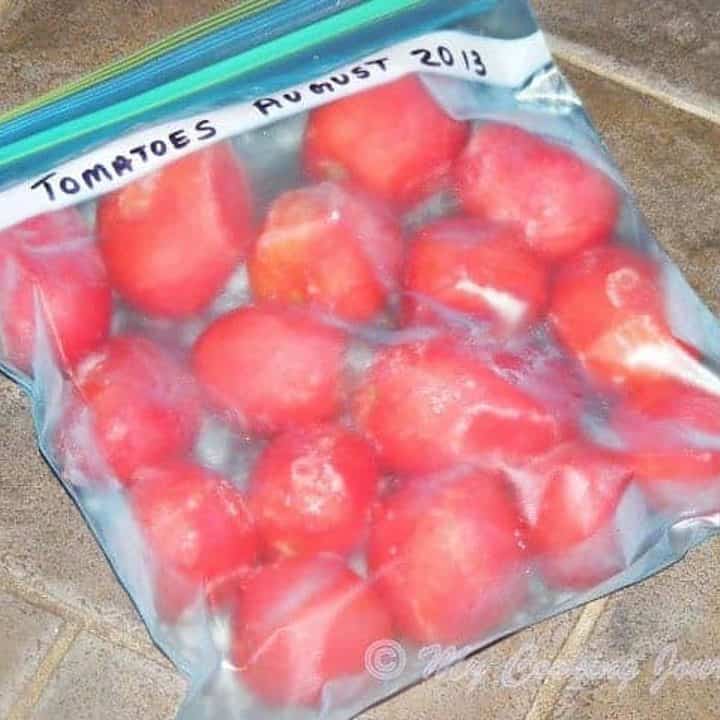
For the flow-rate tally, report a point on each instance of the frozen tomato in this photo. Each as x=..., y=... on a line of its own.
x=51, y=273
x=448, y=557
x=311, y=491
x=135, y=406
x=559, y=201
x=427, y=406
x=677, y=472
x=303, y=623
x=330, y=248
x=172, y=239
x=197, y=528
x=474, y=267
x=607, y=307
x=600, y=290
x=571, y=498
x=394, y=141
x=271, y=368
x=688, y=408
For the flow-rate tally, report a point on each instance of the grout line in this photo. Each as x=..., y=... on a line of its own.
x=122, y=640
x=642, y=81
x=104, y=630
x=549, y=692
x=23, y=707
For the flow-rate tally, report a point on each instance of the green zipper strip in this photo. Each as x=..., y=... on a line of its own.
x=229, y=69
x=150, y=52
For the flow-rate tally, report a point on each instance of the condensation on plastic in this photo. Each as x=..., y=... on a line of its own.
x=637, y=541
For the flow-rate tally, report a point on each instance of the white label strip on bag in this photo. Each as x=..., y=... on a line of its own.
x=505, y=63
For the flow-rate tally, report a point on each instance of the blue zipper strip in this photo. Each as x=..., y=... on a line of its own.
x=192, y=56
x=252, y=32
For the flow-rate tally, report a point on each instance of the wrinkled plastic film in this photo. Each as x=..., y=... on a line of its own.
x=400, y=370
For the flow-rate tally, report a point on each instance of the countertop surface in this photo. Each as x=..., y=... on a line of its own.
x=71, y=644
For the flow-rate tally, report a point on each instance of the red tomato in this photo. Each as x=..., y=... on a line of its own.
x=326, y=247
x=429, y=405
x=136, y=406
x=172, y=239
x=448, y=557
x=50, y=269
x=482, y=269
x=311, y=491
x=571, y=497
x=677, y=473
x=607, y=307
x=303, y=623
x=687, y=407
x=198, y=530
x=561, y=203
x=394, y=141
x=271, y=368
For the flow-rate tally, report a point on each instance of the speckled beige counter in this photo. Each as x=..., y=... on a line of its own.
x=663, y=47
x=71, y=645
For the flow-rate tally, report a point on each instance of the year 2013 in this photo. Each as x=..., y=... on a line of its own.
x=440, y=56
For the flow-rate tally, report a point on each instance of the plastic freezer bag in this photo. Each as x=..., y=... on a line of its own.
x=345, y=335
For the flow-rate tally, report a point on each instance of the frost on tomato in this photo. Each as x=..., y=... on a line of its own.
x=301, y=624
x=482, y=269
x=329, y=247
x=172, y=239
x=134, y=405
x=571, y=498
x=560, y=202
x=607, y=307
x=52, y=283
x=394, y=141
x=427, y=406
x=311, y=491
x=271, y=368
x=448, y=556
x=198, y=531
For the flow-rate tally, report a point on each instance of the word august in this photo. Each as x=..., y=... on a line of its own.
x=127, y=162
x=361, y=72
